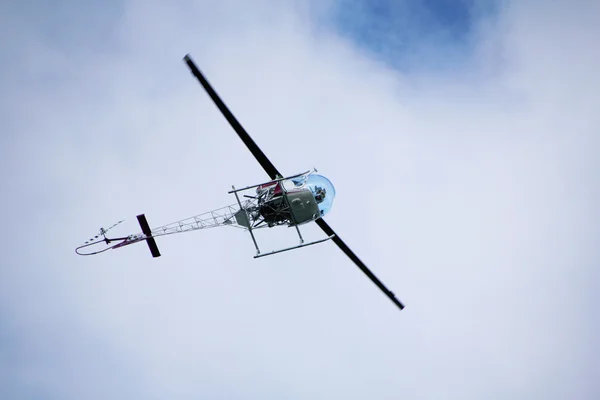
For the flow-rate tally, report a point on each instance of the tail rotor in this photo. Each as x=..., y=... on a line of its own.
x=102, y=233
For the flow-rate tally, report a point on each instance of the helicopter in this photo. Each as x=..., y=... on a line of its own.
x=290, y=201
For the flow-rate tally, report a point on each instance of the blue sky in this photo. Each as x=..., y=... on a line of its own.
x=395, y=31
x=463, y=148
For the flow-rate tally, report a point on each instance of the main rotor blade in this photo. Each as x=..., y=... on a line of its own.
x=237, y=127
x=327, y=229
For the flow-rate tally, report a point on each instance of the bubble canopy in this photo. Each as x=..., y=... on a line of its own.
x=321, y=188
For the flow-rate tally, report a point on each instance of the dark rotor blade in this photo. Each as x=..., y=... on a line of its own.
x=148, y=233
x=237, y=127
x=327, y=229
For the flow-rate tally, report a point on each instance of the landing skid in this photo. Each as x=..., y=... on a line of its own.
x=258, y=254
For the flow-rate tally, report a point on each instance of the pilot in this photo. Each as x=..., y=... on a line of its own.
x=320, y=194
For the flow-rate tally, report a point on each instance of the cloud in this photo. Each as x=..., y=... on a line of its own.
x=470, y=191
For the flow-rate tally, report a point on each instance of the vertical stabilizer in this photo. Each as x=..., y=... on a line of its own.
x=149, y=239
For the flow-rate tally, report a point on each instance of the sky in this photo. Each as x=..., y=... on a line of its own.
x=461, y=137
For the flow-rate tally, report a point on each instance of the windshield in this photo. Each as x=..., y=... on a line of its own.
x=322, y=189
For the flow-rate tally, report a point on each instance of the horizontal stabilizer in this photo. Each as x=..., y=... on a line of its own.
x=149, y=239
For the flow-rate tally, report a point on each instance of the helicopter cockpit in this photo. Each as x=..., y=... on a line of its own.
x=310, y=196
x=295, y=200
x=321, y=188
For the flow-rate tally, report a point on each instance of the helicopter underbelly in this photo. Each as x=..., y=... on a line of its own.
x=294, y=208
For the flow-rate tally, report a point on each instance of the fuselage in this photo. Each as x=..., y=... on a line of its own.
x=295, y=201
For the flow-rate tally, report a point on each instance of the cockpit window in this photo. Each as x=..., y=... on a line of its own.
x=299, y=181
x=323, y=191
